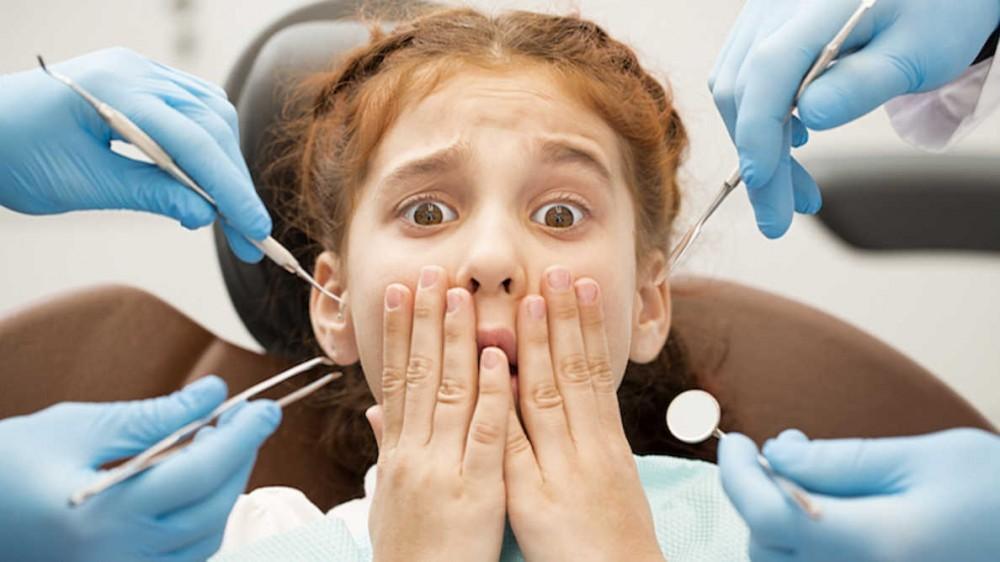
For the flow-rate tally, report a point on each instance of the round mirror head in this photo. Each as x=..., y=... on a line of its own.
x=693, y=416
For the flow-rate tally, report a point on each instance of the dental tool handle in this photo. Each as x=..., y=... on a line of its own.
x=135, y=135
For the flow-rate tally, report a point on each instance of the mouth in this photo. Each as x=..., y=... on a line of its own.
x=502, y=338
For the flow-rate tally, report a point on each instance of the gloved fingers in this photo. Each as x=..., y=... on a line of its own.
x=215, y=119
x=198, y=154
x=150, y=189
x=762, y=553
x=842, y=467
x=211, y=460
x=774, y=202
x=198, y=551
x=241, y=246
x=189, y=81
x=722, y=80
x=192, y=523
x=808, y=199
x=800, y=135
x=135, y=426
x=773, y=72
x=773, y=520
x=859, y=83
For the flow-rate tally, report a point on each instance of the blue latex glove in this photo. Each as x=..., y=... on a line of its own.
x=175, y=511
x=932, y=498
x=902, y=46
x=55, y=156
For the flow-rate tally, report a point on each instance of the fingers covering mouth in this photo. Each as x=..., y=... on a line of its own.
x=502, y=338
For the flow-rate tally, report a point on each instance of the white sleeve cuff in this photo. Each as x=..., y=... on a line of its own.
x=938, y=119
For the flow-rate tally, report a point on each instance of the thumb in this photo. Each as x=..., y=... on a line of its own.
x=131, y=427
x=374, y=416
x=843, y=467
x=856, y=85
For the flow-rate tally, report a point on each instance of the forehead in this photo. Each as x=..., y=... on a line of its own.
x=472, y=110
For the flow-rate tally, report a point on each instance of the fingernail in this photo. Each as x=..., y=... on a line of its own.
x=491, y=357
x=454, y=300
x=536, y=308
x=586, y=292
x=393, y=296
x=558, y=278
x=428, y=277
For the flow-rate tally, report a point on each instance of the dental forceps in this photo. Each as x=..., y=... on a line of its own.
x=823, y=62
x=169, y=445
x=141, y=140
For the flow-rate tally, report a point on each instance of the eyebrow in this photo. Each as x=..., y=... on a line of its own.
x=561, y=152
x=433, y=164
x=552, y=151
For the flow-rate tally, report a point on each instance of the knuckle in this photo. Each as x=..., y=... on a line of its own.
x=393, y=380
x=517, y=443
x=722, y=94
x=485, y=433
x=537, y=338
x=907, y=69
x=574, y=368
x=418, y=369
x=454, y=334
x=601, y=374
x=228, y=113
x=546, y=397
x=423, y=311
x=452, y=391
x=564, y=310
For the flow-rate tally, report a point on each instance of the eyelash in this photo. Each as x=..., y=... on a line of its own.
x=408, y=204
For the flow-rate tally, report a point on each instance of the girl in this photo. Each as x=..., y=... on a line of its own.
x=493, y=198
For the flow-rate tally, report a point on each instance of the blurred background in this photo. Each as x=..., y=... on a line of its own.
x=941, y=309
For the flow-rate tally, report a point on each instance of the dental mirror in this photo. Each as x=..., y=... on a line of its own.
x=694, y=415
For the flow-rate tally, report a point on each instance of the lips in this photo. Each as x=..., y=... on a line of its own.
x=502, y=338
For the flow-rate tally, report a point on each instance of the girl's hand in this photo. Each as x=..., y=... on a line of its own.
x=440, y=491
x=573, y=490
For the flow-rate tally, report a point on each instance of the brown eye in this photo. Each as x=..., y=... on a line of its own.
x=429, y=213
x=558, y=215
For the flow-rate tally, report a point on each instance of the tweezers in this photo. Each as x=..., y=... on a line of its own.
x=823, y=62
x=169, y=445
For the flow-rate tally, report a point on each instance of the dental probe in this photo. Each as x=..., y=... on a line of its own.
x=136, y=136
x=823, y=62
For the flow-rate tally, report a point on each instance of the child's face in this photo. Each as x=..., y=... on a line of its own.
x=495, y=177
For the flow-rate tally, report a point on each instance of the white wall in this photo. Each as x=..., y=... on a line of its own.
x=942, y=310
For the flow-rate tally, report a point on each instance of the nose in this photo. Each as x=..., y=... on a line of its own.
x=493, y=267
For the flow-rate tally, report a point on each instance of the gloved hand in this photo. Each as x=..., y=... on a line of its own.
x=932, y=498
x=902, y=46
x=174, y=511
x=54, y=154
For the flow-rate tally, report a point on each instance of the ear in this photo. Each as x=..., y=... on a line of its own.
x=651, y=316
x=332, y=325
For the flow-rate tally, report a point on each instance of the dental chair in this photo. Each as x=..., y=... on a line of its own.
x=772, y=363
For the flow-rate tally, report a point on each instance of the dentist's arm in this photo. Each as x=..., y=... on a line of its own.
x=175, y=511
x=932, y=498
x=901, y=47
x=55, y=156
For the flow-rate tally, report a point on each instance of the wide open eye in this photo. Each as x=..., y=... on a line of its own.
x=429, y=213
x=558, y=215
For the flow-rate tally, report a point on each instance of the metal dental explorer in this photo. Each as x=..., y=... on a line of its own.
x=135, y=135
x=826, y=57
